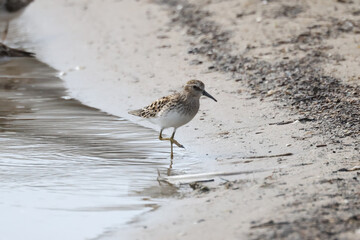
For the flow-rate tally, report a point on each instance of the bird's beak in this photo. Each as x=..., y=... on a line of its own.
x=205, y=93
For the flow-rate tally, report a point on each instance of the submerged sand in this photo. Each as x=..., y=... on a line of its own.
x=139, y=51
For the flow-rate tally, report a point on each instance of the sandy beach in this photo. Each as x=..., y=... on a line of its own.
x=286, y=77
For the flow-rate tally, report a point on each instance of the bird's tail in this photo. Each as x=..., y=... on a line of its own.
x=6, y=51
x=136, y=112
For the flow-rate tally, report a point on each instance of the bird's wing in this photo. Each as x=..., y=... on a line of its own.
x=16, y=5
x=153, y=109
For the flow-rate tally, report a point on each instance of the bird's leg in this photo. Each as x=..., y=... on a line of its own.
x=174, y=141
x=172, y=152
x=160, y=136
x=171, y=143
x=4, y=34
x=171, y=139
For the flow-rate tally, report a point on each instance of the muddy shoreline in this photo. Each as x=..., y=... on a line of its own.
x=301, y=85
x=296, y=82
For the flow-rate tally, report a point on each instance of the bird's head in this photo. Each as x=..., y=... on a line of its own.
x=197, y=88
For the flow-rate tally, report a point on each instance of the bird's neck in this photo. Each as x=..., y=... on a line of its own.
x=191, y=103
x=190, y=98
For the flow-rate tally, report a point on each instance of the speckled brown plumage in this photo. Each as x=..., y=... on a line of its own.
x=154, y=108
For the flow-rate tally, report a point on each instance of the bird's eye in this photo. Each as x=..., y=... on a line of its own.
x=196, y=88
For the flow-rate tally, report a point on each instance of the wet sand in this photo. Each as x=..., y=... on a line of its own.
x=154, y=48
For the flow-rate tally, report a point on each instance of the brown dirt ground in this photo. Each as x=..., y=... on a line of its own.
x=304, y=56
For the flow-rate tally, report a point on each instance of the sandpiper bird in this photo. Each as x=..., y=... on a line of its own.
x=175, y=110
x=10, y=9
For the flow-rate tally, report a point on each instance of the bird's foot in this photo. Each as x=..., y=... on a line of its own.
x=177, y=143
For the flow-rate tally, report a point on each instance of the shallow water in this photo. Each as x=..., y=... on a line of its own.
x=68, y=171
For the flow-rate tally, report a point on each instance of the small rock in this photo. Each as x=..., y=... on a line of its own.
x=195, y=62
